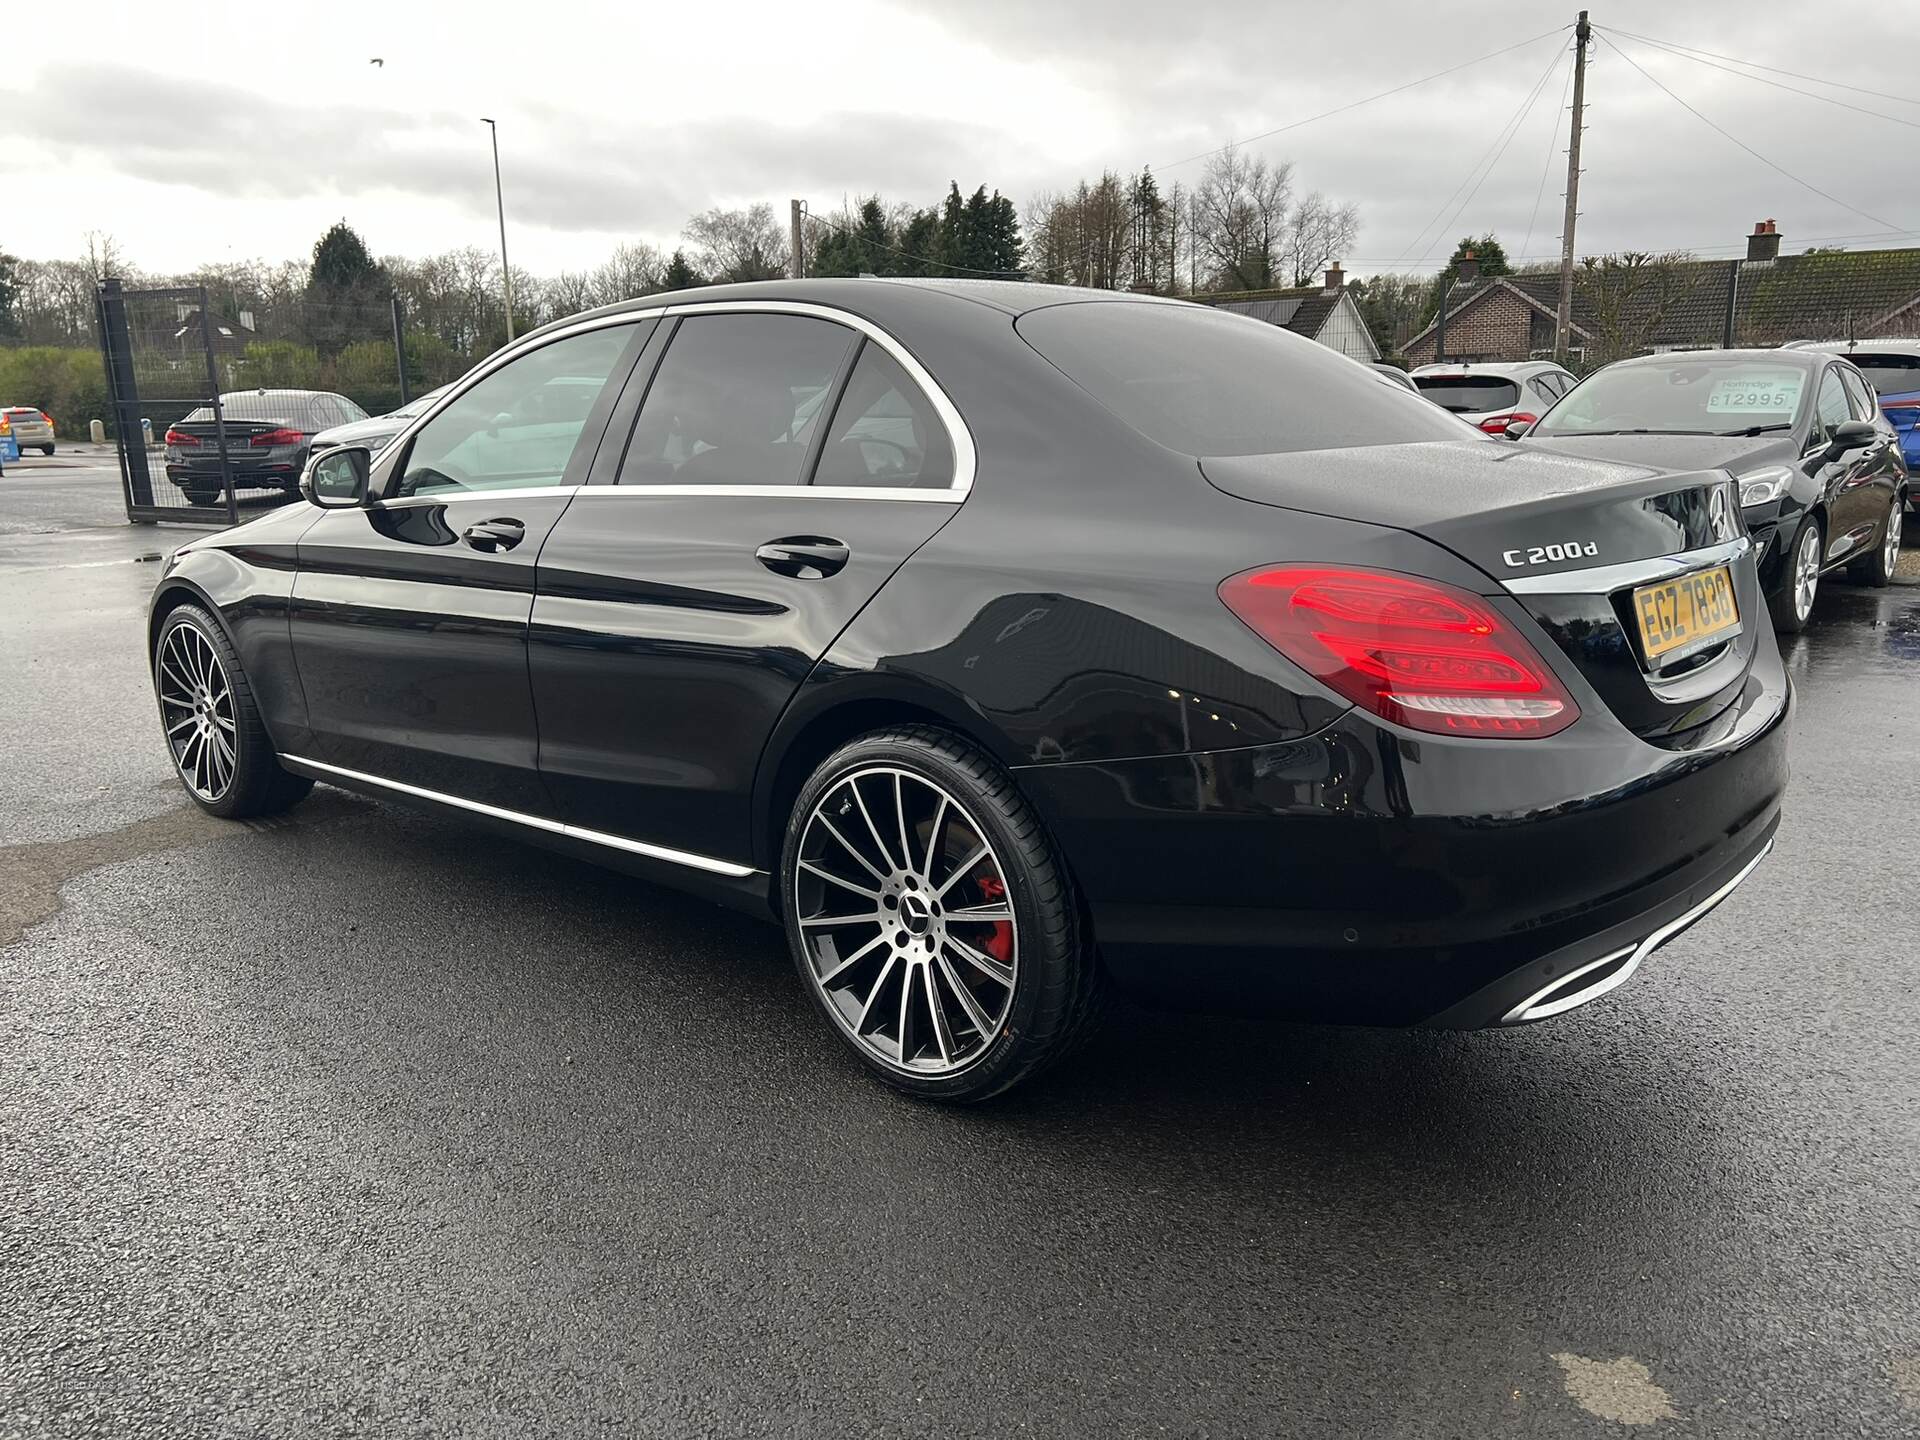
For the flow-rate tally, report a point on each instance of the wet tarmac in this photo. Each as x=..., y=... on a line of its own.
x=359, y=1122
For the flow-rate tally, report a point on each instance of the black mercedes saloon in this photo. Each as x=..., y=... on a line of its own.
x=1012, y=646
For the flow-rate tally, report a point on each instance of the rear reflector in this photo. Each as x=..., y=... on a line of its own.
x=1413, y=651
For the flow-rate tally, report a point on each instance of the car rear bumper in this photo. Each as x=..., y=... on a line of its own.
x=275, y=474
x=1365, y=876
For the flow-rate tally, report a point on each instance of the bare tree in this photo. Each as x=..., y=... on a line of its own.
x=739, y=244
x=1321, y=231
x=1241, y=212
x=1624, y=298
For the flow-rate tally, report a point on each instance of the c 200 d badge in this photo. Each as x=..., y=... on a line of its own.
x=1548, y=554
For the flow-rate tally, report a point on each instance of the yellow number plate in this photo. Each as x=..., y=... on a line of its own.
x=1680, y=616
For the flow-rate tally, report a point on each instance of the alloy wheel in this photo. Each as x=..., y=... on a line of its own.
x=906, y=921
x=196, y=707
x=1806, y=572
x=1894, y=524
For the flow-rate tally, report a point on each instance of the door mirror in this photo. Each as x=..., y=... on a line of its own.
x=336, y=479
x=1850, y=435
x=1516, y=428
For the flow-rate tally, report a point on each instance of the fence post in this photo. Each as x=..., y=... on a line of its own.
x=400, y=347
x=219, y=413
x=116, y=350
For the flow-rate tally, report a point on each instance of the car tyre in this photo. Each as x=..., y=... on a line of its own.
x=962, y=967
x=1877, y=569
x=46, y=449
x=212, y=724
x=204, y=498
x=1791, y=603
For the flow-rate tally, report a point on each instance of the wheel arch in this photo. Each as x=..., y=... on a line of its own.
x=172, y=593
x=814, y=727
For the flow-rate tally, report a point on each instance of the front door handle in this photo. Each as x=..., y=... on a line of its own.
x=804, y=557
x=494, y=535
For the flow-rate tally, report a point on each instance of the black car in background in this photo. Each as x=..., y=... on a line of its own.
x=1010, y=643
x=269, y=436
x=1822, y=482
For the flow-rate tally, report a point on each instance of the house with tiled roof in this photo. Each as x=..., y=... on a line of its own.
x=1647, y=304
x=1325, y=313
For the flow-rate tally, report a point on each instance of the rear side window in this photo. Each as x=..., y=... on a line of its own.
x=885, y=431
x=1205, y=383
x=1469, y=394
x=1890, y=374
x=737, y=400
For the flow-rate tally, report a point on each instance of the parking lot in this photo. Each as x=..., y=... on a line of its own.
x=361, y=1122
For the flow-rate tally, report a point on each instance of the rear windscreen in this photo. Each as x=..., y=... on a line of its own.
x=1469, y=394
x=1205, y=383
x=1889, y=374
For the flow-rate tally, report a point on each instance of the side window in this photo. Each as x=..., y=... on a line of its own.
x=1545, y=387
x=349, y=409
x=1832, y=404
x=1865, y=406
x=885, y=431
x=737, y=400
x=518, y=426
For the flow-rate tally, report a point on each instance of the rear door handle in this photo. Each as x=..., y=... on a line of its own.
x=494, y=535
x=804, y=557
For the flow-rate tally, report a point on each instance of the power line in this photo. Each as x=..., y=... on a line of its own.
x=1790, y=89
x=1770, y=164
x=1481, y=167
x=1773, y=69
x=1546, y=166
x=1356, y=104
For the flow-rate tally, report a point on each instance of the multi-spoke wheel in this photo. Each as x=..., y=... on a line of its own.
x=1791, y=602
x=212, y=726
x=1877, y=568
x=930, y=919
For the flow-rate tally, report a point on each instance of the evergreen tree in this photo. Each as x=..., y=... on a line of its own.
x=347, y=292
x=9, y=295
x=680, y=275
x=1491, y=254
x=921, y=239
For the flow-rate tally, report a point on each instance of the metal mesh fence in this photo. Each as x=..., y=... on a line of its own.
x=217, y=408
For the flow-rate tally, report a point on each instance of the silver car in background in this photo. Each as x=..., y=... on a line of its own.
x=377, y=432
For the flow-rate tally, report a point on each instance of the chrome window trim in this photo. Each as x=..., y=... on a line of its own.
x=534, y=822
x=442, y=497
x=965, y=456
x=1531, y=1008
x=1604, y=579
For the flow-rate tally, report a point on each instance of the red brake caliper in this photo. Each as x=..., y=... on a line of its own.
x=1000, y=943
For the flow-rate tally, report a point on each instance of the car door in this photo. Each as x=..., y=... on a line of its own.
x=409, y=614
x=1854, y=502
x=1884, y=464
x=780, y=469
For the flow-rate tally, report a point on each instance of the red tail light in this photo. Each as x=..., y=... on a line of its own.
x=1495, y=424
x=277, y=437
x=1416, y=652
x=47, y=418
x=180, y=437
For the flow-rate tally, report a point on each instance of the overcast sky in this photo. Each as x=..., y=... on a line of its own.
x=216, y=132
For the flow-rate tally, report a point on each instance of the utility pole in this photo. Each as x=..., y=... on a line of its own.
x=500, y=203
x=1563, y=323
x=797, y=266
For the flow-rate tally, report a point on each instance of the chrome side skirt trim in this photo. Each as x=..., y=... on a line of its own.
x=534, y=822
x=1533, y=1008
x=1604, y=579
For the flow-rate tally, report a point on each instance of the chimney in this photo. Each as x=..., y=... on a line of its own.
x=1763, y=245
x=1468, y=270
x=1336, y=279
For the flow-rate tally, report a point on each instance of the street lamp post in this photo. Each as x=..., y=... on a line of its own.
x=500, y=203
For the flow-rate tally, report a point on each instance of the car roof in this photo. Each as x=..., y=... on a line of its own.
x=1500, y=369
x=1806, y=359
x=1856, y=347
x=873, y=293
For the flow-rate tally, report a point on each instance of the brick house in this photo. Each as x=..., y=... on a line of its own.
x=1765, y=299
x=1325, y=313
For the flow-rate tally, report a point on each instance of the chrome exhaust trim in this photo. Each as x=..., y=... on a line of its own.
x=1616, y=968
